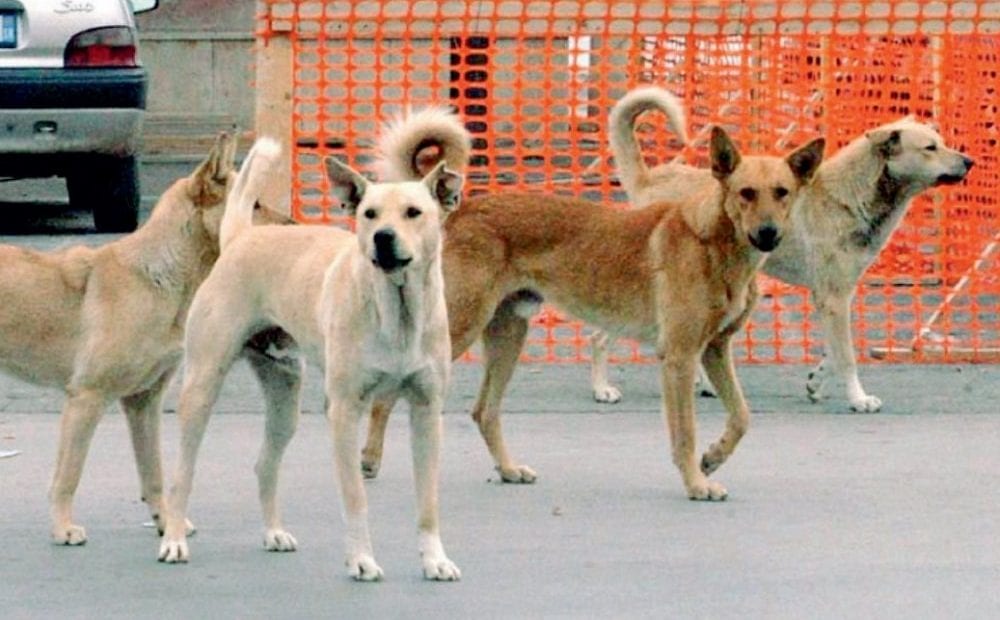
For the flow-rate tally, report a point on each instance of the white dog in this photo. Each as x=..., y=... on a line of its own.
x=843, y=220
x=371, y=306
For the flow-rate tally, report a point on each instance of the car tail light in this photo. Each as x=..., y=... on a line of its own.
x=102, y=47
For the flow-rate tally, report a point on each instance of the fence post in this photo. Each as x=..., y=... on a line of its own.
x=273, y=115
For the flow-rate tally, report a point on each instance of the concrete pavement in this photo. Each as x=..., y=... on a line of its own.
x=831, y=514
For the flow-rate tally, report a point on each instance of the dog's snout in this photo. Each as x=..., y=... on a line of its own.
x=387, y=255
x=766, y=237
x=968, y=162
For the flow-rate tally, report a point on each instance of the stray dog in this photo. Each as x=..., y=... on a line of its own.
x=369, y=307
x=105, y=324
x=681, y=275
x=847, y=215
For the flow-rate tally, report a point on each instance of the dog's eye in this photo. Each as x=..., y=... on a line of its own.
x=932, y=147
x=370, y=214
x=780, y=192
x=413, y=212
x=749, y=194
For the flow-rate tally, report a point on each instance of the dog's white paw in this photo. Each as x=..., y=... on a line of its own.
x=607, y=394
x=362, y=567
x=440, y=568
x=866, y=404
x=174, y=551
x=70, y=535
x=518, y=474
x=707, y=490
x=279, y=540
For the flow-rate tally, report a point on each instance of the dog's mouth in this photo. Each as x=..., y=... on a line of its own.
x=949, y=179
x=389, y=262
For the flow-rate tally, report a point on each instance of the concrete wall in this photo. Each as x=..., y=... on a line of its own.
x=199, y=54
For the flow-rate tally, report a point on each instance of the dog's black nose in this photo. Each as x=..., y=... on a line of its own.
x=384, y=238
x=968, y=162
x=766, y=238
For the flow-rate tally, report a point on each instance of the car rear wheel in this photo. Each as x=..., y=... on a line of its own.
x=109, y=186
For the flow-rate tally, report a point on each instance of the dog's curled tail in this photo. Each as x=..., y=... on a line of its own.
x=255, y=172
x=404, y=140
x=631, y=167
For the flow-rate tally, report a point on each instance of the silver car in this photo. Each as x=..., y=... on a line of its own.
x=72, y=98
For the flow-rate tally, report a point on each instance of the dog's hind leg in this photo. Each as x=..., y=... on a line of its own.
x=604, y=392
x=210, y=348
x=425, y=439
x=281, y=382
x=82, y=411
x=835, y=312
x=503, y=340
x=142, y=411
x=718, y=363
x=371, y=455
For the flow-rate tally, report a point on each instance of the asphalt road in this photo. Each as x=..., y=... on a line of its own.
x=831, y=515
x=31, y=207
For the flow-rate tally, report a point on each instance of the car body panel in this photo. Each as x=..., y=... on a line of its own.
x=46, y=26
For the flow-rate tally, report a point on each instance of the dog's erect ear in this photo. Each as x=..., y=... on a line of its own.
x=886, y=142
x=346, y=184
x=806, y=159
x=725, y=158
x=208, y=182
x=446, y=186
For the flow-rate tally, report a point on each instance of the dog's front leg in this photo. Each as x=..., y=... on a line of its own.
x=677, y=375
x=80, y=415
x=343, y=415
x=425, y=439
x=835, y=313
x=718, y=363
x=142, y=411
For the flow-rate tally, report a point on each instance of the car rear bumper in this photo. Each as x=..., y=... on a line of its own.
x=109, y=131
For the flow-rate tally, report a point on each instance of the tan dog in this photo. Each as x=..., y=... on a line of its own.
x=677, y=274
x=369, y=307
x=847, y=214
x=105, y=324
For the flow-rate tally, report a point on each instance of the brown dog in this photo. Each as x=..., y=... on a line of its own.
x=105, y=324
x=677, y=274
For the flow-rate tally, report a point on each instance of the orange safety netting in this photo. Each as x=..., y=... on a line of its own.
x=535, y=81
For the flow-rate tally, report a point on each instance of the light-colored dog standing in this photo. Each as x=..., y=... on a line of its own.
x=678, y=274
x=105, y=324
x=369, y=307
x=846, y=216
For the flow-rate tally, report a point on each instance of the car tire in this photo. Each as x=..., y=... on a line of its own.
x=109, y=186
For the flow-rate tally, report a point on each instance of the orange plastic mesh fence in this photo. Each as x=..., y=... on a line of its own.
x=535, y=81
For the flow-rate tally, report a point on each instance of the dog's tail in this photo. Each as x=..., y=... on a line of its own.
x=632, y=169
x=404, y=142
x=254, y=174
